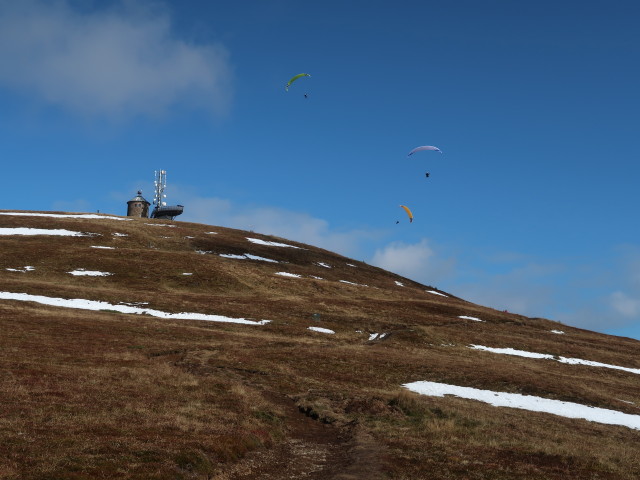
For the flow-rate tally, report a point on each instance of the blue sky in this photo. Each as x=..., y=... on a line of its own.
x=532, y=207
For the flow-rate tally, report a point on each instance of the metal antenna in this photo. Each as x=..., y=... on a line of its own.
x=160, y=185
x=161, y=210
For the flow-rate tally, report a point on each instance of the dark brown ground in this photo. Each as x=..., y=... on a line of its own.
x=103, y=395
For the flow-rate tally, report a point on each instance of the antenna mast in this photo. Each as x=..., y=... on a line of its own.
x=160, y=185
x=161, y=210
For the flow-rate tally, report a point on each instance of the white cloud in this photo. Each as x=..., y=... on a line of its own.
x=515, y=283
x=624, y=305
x=280, y=222
x=112, y=64
x=416, y=261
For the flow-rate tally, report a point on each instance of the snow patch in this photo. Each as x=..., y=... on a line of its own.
x=321, y=264
x=271, y=244
x=559, y=332
x=97, y=305
x=81, y=272
x=400, y=284
x=351, y=283
x=545, y=356
x=65, y=215
x=475, y=319
x=321, y=330
x=247, y=256
x=104, y=248
x=437, y=293
x=287, y=274
x=22, y=270
x=377, y=336
x=42, y=231
x=160, y=225
x=528, y=402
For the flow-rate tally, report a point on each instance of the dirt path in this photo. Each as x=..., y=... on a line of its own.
x=313, y=451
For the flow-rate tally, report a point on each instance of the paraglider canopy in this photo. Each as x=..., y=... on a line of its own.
x=406, y=209
x=424, y=147
x=294, y=78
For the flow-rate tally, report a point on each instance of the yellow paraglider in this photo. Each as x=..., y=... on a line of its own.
x=406, y=209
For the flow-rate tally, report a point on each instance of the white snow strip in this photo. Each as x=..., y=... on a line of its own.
x=287, y=274
x=570, y=361
x=350, y=265
x=325, y=265
x=528, y=402
x=271, y=244
x=262, y=259
x=41, y=231
x=559, y=332
x=64, y=215
x=116, y=234
x=437, y=293
x=377, y=336
x=247, y=256
x=81, y=272
x=205, y=252
x=105, y=248
x=23, y=269
x=351, y=283
x=317, y=278
x=321, y=330
x=400, y=284
x=471, y=318
x=160, y=225
x=186, y=273
x=82, y=304
x=211, y=233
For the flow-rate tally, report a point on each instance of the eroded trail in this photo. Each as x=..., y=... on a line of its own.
x=313, y=450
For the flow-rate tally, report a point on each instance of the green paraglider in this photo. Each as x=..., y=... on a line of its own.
x=294, y=78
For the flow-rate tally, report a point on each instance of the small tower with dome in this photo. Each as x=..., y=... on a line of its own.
x=138, y=206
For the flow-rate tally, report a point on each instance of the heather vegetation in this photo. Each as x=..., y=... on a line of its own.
x=89, y=394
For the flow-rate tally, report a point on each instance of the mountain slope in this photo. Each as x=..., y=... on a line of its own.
x=91, y=391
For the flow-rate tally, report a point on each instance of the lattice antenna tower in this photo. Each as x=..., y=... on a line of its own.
x=160, y=184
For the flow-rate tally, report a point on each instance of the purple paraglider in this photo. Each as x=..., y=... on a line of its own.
x=424, y=147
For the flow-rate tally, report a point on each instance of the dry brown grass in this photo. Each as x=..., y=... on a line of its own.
x=89, y=395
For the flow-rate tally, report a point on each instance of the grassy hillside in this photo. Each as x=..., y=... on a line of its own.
x=89, y=394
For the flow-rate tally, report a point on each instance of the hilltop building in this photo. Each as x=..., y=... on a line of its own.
x=138, y=206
